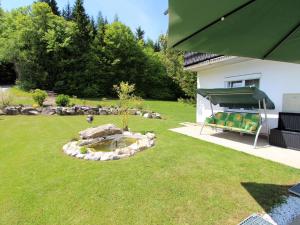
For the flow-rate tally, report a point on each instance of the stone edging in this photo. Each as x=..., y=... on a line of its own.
x=75, y=110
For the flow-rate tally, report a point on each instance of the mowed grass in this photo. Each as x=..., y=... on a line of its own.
x=180, y=181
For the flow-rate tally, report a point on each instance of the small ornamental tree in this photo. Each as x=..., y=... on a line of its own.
x=39, y=96
x=126, y=96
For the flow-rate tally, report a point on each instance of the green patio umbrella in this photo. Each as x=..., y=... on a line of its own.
x=264, y=29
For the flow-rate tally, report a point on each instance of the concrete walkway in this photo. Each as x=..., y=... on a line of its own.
x=242, y=143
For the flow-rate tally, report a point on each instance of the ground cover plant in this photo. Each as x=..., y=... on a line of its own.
x=180, y=181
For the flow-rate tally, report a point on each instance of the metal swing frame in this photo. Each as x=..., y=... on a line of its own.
x=263, y=102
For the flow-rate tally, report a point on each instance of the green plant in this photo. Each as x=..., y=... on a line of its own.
x=126, y=97
x=62, y=100
x=6, y=98
x=83, y=150
x=189, y=101
x=39, y=96
x=137, y=102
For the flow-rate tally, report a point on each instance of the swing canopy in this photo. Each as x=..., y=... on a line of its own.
x=245, y=97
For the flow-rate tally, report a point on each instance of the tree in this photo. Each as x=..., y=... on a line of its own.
x=53, y=5
x=116, y=18
x=80, y=17
x=126, y=97
x=173, y=61
x=67, y=12
x=140, y=33
x=34, y=40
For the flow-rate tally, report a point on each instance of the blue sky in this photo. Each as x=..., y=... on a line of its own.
x=147, y=13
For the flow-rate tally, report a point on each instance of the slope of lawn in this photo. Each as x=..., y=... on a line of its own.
x=180, y=181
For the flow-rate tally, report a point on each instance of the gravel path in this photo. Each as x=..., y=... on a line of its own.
x=287, y=213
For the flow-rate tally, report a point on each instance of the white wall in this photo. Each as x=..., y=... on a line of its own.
x=276, y=79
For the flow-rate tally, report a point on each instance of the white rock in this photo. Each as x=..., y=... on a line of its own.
x=148, y=115
x=80, y=156
x=134, y=146
x=150, y=135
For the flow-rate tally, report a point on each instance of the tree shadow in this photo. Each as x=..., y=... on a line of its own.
x=266, y=195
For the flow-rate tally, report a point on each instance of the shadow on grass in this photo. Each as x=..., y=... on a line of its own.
x=266, y=195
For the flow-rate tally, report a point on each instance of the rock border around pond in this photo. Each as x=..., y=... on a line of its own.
x=107, y=132
x=73, y=111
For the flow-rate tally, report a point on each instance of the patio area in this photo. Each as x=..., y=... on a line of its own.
x=243, y=143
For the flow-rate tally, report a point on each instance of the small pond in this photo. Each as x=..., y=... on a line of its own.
x=111, y=145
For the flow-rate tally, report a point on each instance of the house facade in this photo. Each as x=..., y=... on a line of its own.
x=280, y=81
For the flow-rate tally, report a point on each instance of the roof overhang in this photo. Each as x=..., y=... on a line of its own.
x=216, y=62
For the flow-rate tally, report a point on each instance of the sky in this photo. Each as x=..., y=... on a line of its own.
x=149, y=14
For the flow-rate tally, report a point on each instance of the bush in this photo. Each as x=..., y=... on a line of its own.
x=137, y=102
x=189, y=101
x=83, y=150
x=39, y=96
x=6, y=98
x=62, y=100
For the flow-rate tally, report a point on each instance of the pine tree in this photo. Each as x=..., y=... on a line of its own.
x=93, y=26
x=116, y=18
x=139, y=33
x=157, y=47
x=53, y=5
x=67, y=12
x=80, y=17
x=101, y=23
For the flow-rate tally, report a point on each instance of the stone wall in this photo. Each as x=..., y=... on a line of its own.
x=75, y=110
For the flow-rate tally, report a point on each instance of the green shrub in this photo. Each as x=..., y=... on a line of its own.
x=62, y=100
x=6, y=98
x=83, y=150
x=39, y=96
x=189, y=101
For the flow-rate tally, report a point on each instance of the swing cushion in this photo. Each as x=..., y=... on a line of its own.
x=218, y=119
x=237, y=122
x=251, y=122
x=234, y=120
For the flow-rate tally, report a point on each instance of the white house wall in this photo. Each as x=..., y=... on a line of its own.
x=276, y=79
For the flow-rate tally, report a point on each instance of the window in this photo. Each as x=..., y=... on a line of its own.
x=243, y=83
x=252, y=83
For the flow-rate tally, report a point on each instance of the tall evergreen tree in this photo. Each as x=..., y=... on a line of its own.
x=116, y=18
x=93, y=26
x=67, y=12
x=53, y=5
x=140, y=33
x=80, y=17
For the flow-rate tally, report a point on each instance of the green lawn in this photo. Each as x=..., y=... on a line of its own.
x=180, y=181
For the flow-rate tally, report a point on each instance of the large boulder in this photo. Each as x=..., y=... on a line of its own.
x=101, y=131
x=29, y=111
x=11, y=110
x=49, y=111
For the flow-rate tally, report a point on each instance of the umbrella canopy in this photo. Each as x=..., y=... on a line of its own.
x=246, y=97
x=261, y=29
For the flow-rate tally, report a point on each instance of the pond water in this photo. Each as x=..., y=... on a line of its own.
x=111, y=145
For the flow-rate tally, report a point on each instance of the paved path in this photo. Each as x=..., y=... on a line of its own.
x=244, y=144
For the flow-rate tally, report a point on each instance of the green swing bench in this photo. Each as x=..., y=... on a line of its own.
x=247, y=98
